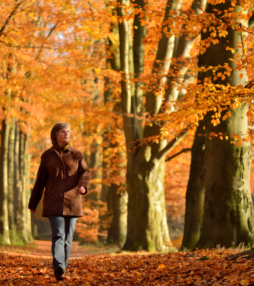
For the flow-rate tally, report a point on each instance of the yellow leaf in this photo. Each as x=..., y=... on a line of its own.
x=162, y=266
x=239, y=143
x=245, y=282
x=241, y=75
x=226, y=137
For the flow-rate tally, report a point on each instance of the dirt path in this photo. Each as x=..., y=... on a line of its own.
x=42, y=248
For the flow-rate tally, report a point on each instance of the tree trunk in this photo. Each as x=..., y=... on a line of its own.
x=147, y=221
x=28, y=194
x=117, y=200
x=195, y=194
x=139, y=33
x=4, y=222
x=94, y=166
x=228, y=210
x=115, y=219
x=183, y=46
x=11, y=178
x=26, y=225
x=17, y=182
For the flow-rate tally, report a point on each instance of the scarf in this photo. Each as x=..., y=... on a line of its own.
x=60, y=149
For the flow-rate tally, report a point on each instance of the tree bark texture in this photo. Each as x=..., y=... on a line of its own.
x=228, y=210
x=11, y=144
x=147, y=221
x=4, y=220
x=195, y=193
x=117, y=206
x=17, y=181
x=181, y=53
x=94, y=165
x=115, y=219
x=26, y=225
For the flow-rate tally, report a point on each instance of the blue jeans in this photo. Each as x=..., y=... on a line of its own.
x=62, y=234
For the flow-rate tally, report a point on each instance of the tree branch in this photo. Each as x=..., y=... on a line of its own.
x=178, y=153
x=251, y=21
x=170, y=146
x=42, y=45
x=91, y=10
x=5, y=24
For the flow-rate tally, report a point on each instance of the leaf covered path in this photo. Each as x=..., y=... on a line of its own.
x=42, y=248
x=136, y=269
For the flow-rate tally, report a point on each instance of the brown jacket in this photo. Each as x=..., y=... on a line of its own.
x=62, y=175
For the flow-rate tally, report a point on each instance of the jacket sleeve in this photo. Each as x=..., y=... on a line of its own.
x=40, y=183
x=84, y=174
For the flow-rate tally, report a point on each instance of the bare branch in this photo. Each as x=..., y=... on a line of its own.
x=26, y=47
x=9, y=17
x=41, y=47
x=170, y=146
x=178, y=153
x=91, y=10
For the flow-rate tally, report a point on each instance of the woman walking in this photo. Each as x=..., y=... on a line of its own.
x=65, y=176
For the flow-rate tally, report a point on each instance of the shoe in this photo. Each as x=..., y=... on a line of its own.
x=59, y=272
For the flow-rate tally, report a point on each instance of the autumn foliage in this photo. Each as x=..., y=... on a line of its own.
x=198, y=268
x=56, y=60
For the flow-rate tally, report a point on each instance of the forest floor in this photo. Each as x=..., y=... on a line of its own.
x=32, y=265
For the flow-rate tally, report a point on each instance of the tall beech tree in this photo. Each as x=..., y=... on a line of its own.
x=195, y=192
x=147, y=221
x=116, y=195
x=228, y=210
x=4, y=223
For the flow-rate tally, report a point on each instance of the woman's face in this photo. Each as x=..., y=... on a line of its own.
x=63, y=136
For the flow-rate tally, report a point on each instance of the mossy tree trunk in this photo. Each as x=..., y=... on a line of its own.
x=94, y=166
x=228, y=209
x=105, y=168
x=11, y=144
x=147, y=221
x=145, y=170
x=23, y=162
x=195, y=193
x=115, y=219
x=17, y=181
x=28, y=192
x=117, y=199
x=4, y=220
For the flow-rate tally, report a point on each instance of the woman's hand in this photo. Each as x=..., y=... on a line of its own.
x=32, y=211
x=81, y=190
